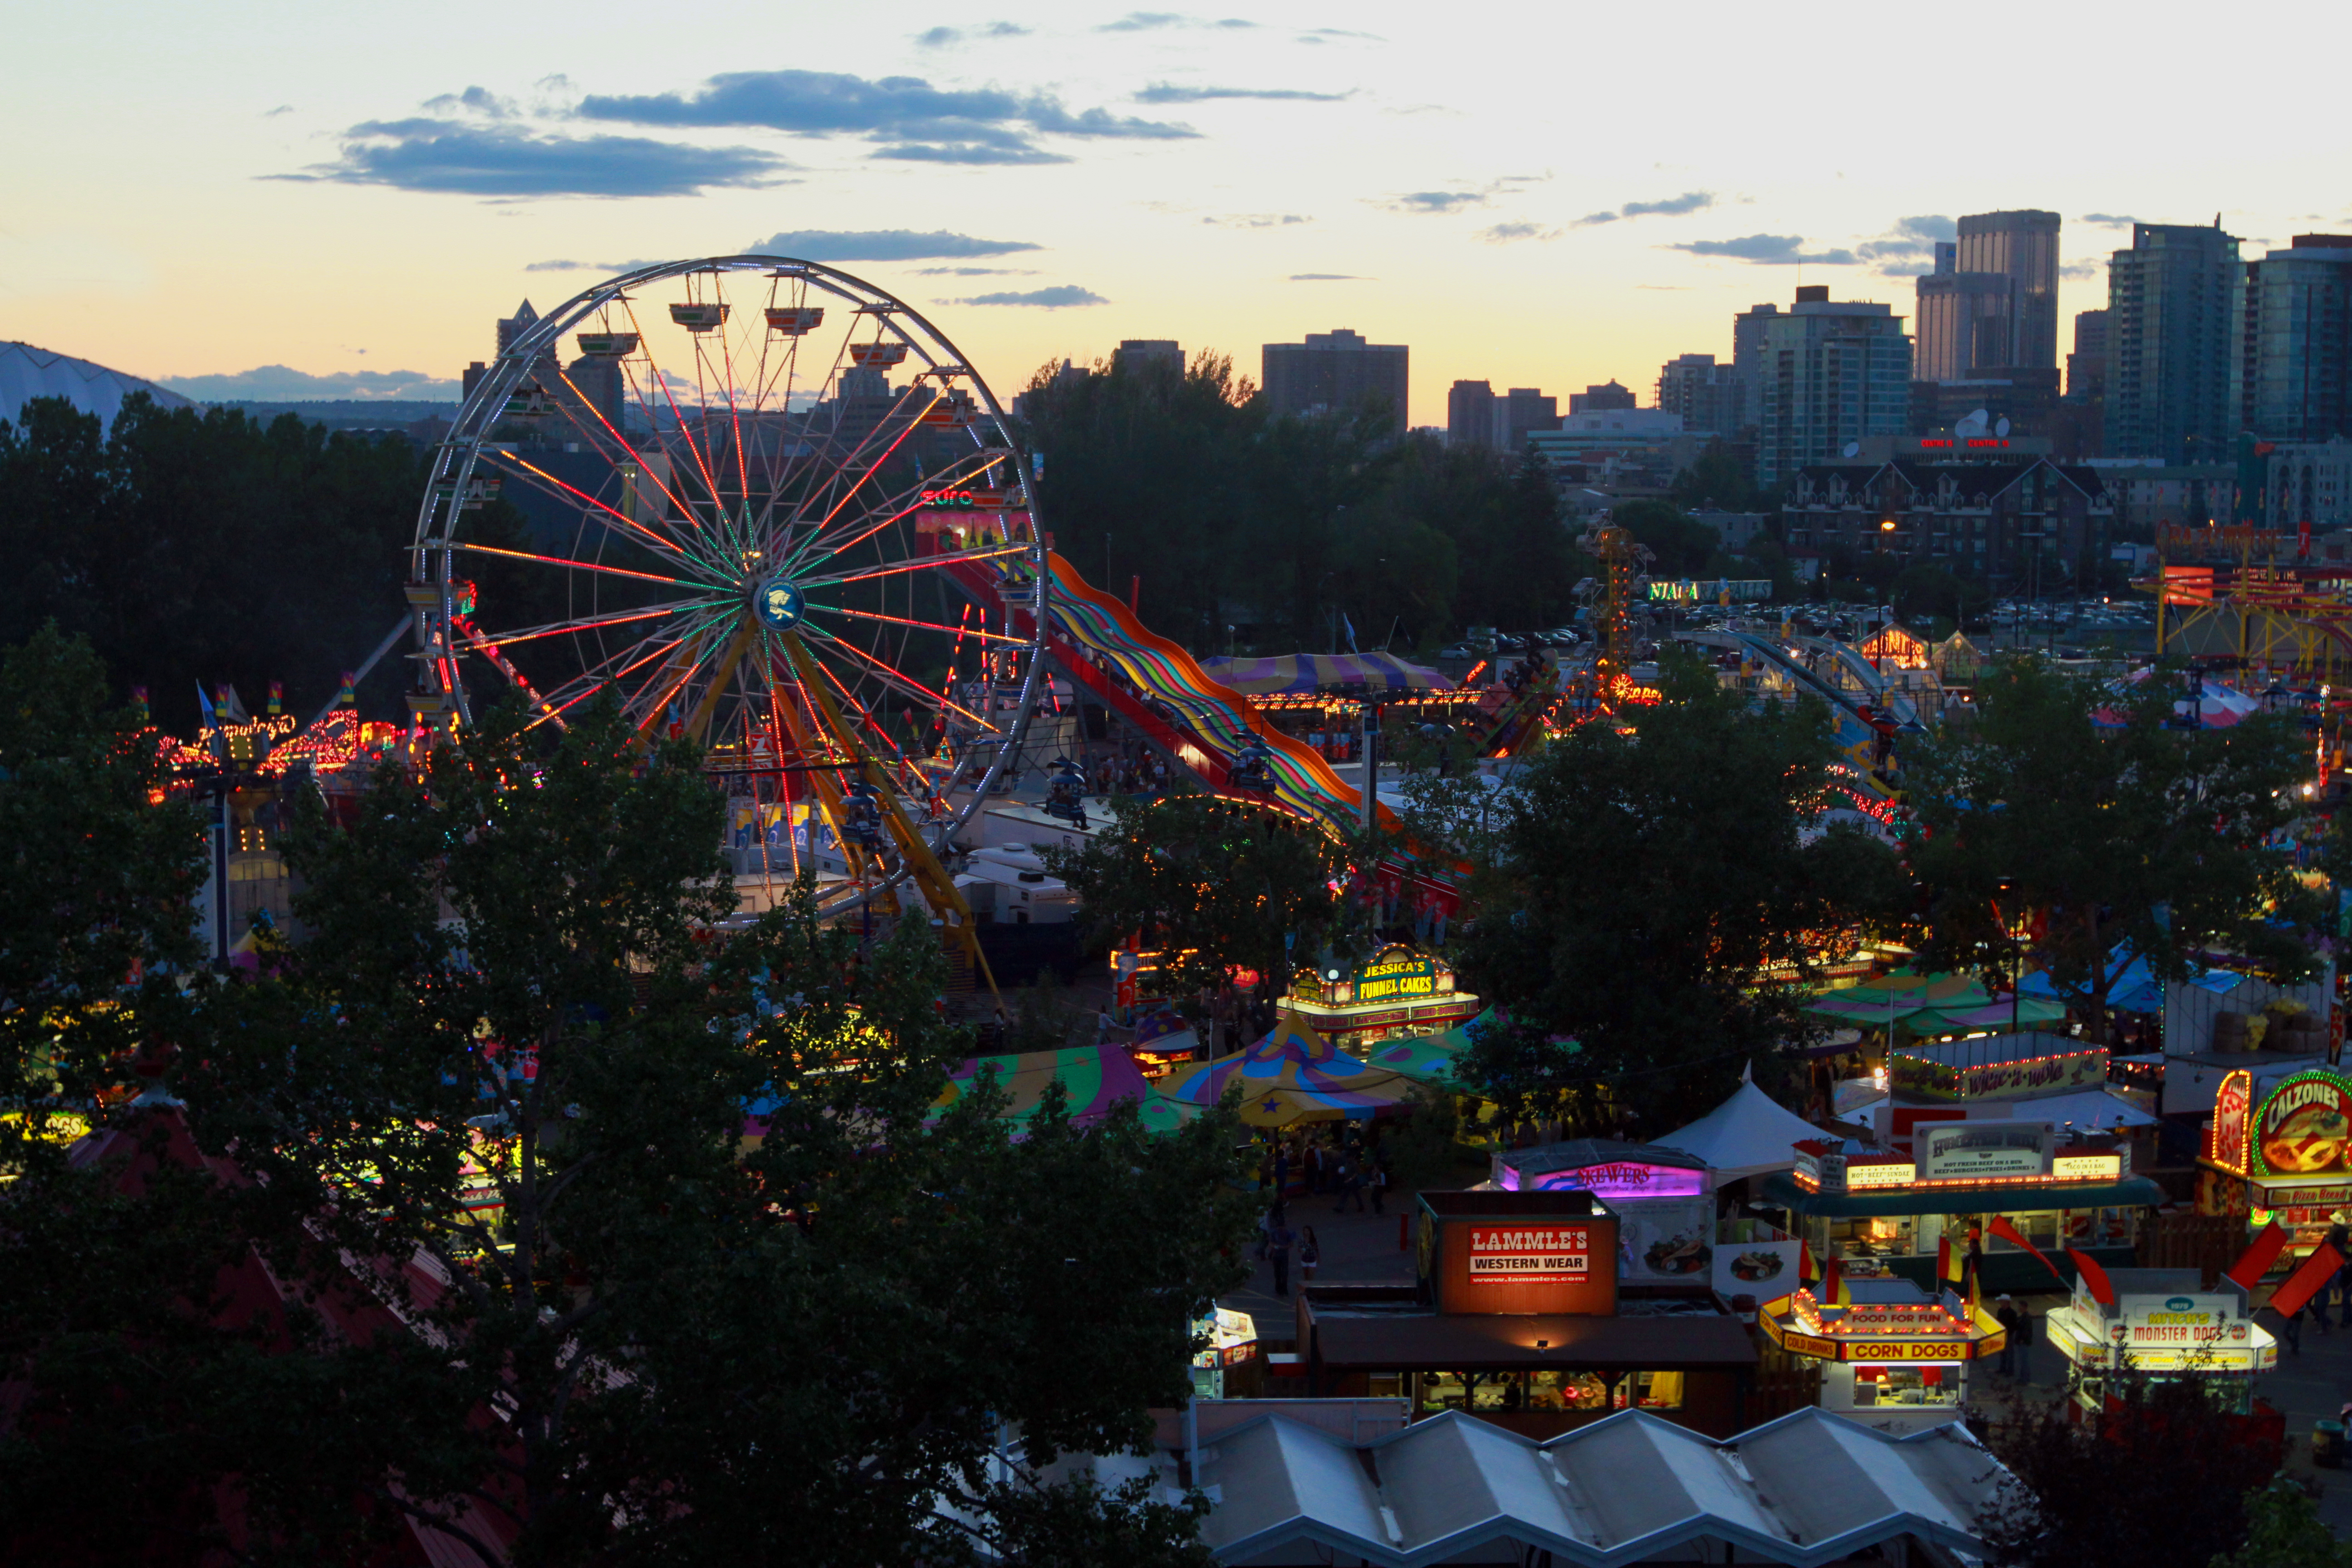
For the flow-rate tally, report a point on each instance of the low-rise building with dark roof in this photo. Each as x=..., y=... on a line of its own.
x=1980, y=519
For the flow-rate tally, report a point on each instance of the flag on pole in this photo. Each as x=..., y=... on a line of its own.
x=2011, y=1235
x=2102, y=1291
x=2249, y=1269
x=1807, y=1271
x=1834, y=1292
x=1951, y=1262
x=2308, y=1280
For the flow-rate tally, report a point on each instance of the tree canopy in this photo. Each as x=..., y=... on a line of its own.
x=196, y=548
x=2138, y=838
x=1293, y=529
x=1652, y=891
x=685, y=1266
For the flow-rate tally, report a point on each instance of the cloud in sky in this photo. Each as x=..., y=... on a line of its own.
x=1171, y=92
x=1337, y=35
x=883, y=245
x=2108, y=220
x=278, y=382
x=975, y=272
x=1162, y=21
x=281, y=109
x=478, y=100
x=906, y=115
x=613, y=267
x=1905, y=249
x=1438, y=202
x=1054, y=298
x=1672, y=207
x=945, y=37
x=1766, y=250
x=504, y=160
x=1505, y=233
x=1328, y=278
x=2085, y=270
x=1256, y=220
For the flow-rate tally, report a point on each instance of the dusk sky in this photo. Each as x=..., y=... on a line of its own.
x=1532, y=195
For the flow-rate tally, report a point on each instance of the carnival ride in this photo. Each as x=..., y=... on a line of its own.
x=746, y=535
x=2253, y=596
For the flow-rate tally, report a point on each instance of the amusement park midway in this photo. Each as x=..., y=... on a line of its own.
x=761, y=948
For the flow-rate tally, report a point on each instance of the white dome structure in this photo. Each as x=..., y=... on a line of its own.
x=26, y=373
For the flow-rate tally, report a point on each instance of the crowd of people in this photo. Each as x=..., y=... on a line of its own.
x=1343, y=1164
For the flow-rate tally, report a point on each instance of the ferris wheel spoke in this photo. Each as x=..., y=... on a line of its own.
x=592, y=507
x=567, y=562
x=918, y=564
x=658, y=377
x=889, y=677
x=644, y=470
x=918, y=625
x=590, y=623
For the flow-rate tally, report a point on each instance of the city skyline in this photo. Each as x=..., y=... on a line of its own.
x=358, y=200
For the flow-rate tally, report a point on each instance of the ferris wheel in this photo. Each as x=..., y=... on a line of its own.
x=763, y=505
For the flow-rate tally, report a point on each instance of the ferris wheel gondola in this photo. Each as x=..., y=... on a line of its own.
x=735, y=524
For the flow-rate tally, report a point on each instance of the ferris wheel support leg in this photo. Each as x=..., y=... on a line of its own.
x=939, y=888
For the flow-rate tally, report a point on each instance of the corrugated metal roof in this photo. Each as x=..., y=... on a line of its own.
x=1808, y=1489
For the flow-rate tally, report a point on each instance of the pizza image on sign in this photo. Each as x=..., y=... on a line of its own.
x=2304, y=1129
x=1505, y=1255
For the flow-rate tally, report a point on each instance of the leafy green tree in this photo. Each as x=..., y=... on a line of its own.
x=194, y=548
x=2163, y=1475
x=1213, y=886
x=2284, y=1530
x=1717, y=480
x=2134, y=838
x=1680, y=542
x=1655, y=891
x=686, y=1276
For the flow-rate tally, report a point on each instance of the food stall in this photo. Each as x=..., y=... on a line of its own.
x=1666, y=1214
x=1884, y=1212
x=1229, y=1366
x=2162, y=1321
x=2280, y=1151
x=1891, y=1356
x=1401, y=991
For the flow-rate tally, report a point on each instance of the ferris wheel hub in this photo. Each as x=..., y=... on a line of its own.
x=779, y=605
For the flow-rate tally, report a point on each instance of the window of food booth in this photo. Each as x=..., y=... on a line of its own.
x=1548, y=1390
x=1874, y=1385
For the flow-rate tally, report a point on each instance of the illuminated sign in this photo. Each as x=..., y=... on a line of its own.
x=1691, y=591
x=2232, y=1115
x=1886, y=1174
x=1506, y=1255
x=1944, y=443
x=2087, y=1167
x=1617, y=1179
x=1928, y=1078
x=1979, y=1149
x=2303, y=1129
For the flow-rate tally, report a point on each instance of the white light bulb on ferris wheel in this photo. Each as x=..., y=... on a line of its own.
x=719, y=515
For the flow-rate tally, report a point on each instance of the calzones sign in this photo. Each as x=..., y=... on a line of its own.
x=2304, y=1128
x=1512, y=1255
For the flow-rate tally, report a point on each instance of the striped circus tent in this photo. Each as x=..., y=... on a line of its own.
x=1292, y=1075
x=1318, y=671
x=1096, y=1079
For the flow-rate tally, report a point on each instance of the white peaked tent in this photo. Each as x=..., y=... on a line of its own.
x=1747, y=1135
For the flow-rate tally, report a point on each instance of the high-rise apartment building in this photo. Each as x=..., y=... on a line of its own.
x=1134, y=354
x=1470, y=413
x=1966, y=322
x=1520, y=414
x=1833, y=373
x=2087, y=367
x=2023, y=247
x=2296, y=380
x=1708, y=396
x=1333, y=370
x=2175, y=344
x=1600, y=399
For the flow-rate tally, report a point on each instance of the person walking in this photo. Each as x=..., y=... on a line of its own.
x=1378, y=1183
x=1279, y=1238
x=1350, y=1175
x=2013, y=1322
x=1310, y=1253
x=1281, y=1168
x=1314, y=1167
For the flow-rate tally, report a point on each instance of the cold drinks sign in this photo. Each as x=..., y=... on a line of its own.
x=1515, y=1255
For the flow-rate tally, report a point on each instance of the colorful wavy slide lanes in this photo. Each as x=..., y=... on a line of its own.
x=1183, y=706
